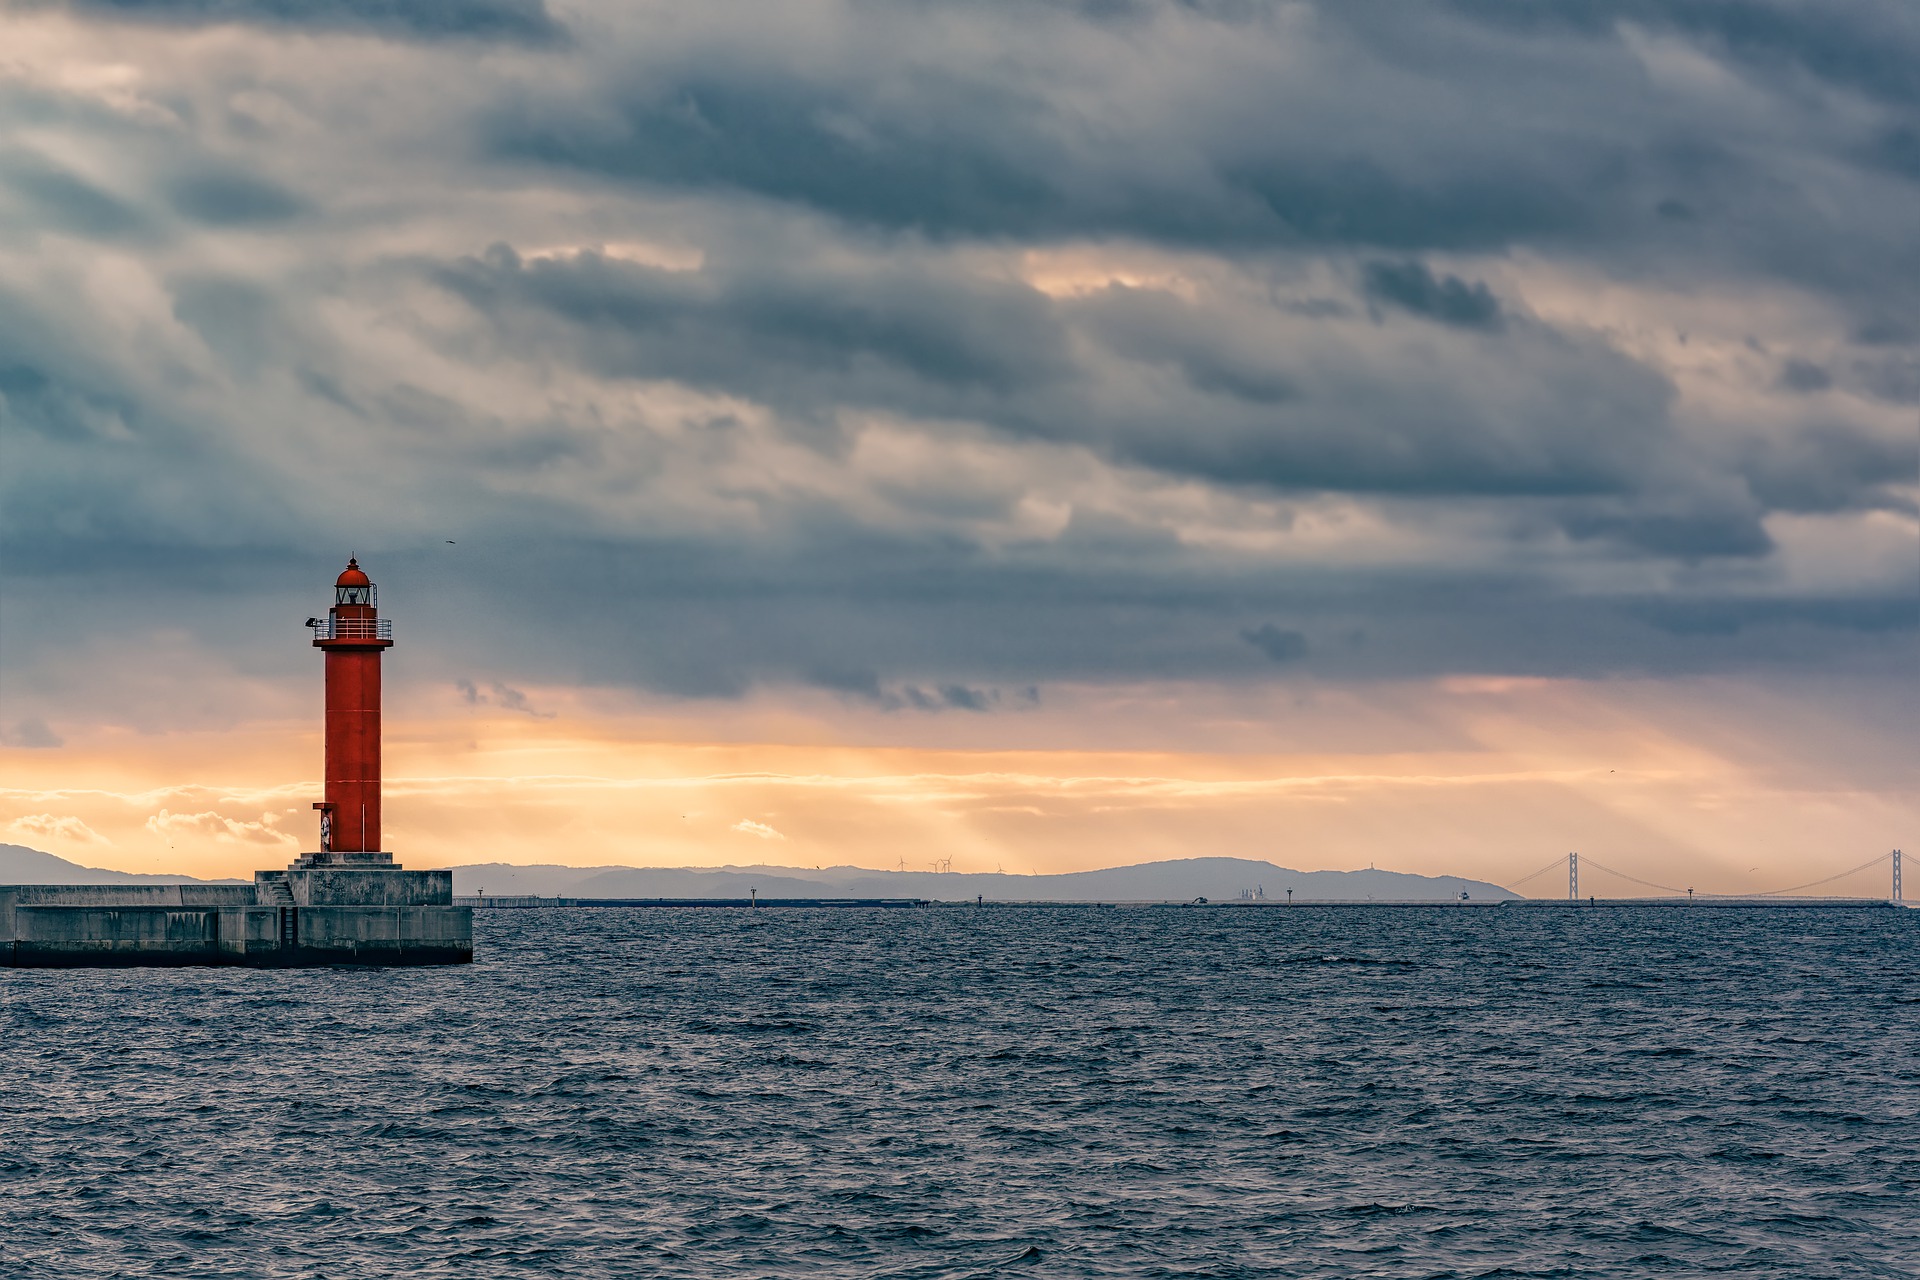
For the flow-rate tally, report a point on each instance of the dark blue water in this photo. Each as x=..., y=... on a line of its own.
x=948, y=1093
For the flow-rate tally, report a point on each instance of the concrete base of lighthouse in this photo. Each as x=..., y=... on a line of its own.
x=326, y=909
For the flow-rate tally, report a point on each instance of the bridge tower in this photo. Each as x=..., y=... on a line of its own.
x=1573, y=877
x=1896, y=875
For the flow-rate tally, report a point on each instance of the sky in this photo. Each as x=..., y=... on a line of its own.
x=1040, y=436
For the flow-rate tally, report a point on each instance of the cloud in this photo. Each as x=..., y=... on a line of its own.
x=215, y=826
x=1412, y=287
x=1866, y=46
x=1721, y=618
x=65, y=199
x=1695, y=528
x=1279, y=645
x=959, y=151
x=747, y=826
x=32, y=733
x=1250, y=408
x=956, y=697
x=53, y=827
x=1804, y=376
x=864, y=686
x=1831, y=468
x=922, y=356
x=503, y=696
x=512, y=20
x=935, y=326
x=230, y=199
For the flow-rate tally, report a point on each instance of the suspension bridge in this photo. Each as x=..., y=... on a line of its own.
x=1574, y=864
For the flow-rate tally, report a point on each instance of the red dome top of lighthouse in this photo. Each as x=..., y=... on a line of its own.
x=352, y=576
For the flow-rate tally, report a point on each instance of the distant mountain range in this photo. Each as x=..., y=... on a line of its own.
x=21, y=865
x=1181, y=880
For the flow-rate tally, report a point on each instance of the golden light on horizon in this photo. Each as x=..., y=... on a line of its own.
x=1516, y=759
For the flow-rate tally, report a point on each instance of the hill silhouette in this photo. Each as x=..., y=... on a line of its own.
x=21, y=865
x=1179, y=880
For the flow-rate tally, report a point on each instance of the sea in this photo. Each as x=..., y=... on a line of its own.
x=990, y=1091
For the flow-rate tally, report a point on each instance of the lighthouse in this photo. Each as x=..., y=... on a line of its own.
x=353, y=636
x=347, y=903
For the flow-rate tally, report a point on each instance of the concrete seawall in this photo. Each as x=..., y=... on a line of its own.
x=299, y=917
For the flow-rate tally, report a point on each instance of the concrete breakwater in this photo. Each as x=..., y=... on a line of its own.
x=306, y=915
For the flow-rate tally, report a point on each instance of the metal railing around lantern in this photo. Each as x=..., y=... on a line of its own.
x=332, y=628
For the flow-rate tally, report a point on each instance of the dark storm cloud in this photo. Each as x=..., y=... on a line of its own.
x=1883, y=331
x=235, y=318
x=1708, y=170
x=39, y=401
x=1696, y=531
x=63, y=200
x=1829, y=469
x=1804, y=375
x=1867, y=46
x=1350, y=219
x=1572, y=420
x=1559, y=146
x=1896, y=150
x=1552, y=416
x=941, y=329
x=970, y=160
x=121, y=484
x=231, y=199
x=1212, y=352
x=525, y=21
x=1412, y=287
x=942, y=628
x=1891, y=377
x=1278, y=644
x=1880, y=613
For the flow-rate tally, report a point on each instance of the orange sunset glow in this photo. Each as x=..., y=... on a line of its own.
x=1087, y=497
x=1494, y=764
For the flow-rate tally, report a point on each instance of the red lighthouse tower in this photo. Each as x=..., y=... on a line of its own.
x=353, y=636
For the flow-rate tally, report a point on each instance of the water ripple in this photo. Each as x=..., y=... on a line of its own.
x=986, y=1093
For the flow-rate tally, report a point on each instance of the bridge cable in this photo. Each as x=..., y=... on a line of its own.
x=1556, y=863
x=1774, y=893
x=1664, y=888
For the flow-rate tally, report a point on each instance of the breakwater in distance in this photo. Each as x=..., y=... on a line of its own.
x=529, y=902
x=512, y=903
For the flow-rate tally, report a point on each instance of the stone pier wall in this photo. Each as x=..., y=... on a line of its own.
x=387, y=916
